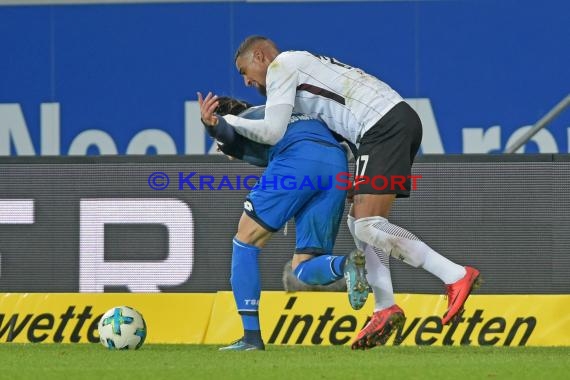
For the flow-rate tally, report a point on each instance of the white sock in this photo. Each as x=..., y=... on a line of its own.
x=358, y=243
x=445, y=269
x=402, y=244
x=379, y=278
x=378, y=271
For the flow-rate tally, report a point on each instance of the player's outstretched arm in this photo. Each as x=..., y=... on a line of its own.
x=266, y=131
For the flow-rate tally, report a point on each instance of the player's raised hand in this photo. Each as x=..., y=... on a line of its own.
x=207, y=107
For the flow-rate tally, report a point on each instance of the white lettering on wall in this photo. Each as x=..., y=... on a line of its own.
x=479, y=140
x=161, y=141
x=13, y=130
x=15, y=136
x=16, y=211
x=138, y=276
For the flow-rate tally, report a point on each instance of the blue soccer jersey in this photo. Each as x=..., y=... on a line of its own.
x=299, y=182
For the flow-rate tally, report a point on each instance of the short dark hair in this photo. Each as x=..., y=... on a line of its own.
x=246, y=45
x=231, y=106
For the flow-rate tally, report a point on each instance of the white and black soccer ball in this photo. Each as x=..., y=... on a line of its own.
x=122, y=328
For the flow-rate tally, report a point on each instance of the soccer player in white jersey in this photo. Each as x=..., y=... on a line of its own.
x=366, y=112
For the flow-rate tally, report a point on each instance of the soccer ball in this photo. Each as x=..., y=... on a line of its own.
x=122, y=328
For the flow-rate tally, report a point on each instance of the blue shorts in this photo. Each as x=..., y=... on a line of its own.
x=300, y=182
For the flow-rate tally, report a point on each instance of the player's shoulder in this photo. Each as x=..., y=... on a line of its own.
x=254, y=113
x=294, y=57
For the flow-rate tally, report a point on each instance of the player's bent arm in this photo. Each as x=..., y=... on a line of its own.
x=222, y=132
x=251, y=152
x=235, y=145
x=267, y=131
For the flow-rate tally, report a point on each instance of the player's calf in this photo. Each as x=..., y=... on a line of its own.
x=320, y=270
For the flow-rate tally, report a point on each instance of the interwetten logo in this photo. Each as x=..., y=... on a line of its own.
x=473, y=327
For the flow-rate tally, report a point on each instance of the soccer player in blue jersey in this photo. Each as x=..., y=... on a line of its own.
x=298, y=183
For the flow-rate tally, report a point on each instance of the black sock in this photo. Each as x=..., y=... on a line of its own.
x=253, y=337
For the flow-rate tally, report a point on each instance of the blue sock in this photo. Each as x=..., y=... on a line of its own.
x=246, y=286
x=321, y=270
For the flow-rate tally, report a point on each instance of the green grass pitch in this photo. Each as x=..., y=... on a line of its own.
x=92, y=361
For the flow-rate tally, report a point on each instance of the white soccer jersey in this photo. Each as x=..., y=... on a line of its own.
x=347, y=99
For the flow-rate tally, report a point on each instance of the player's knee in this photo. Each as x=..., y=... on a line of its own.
x=364, y=229
x=294, y=265
x=369, y=230
x=253, y=234
x=300, y=258
x=392, y=239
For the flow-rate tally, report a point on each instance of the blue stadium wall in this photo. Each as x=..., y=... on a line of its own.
x=122, y=78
